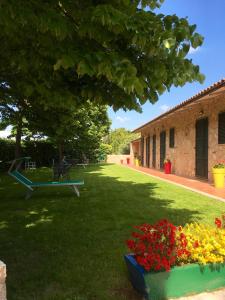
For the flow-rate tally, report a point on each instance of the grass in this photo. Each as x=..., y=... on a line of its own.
x=59, y=247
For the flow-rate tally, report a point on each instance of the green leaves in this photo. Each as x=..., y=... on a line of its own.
x=119, y=139
x=84, y=68
x=151, y=3
x=184, y=50
x=66, y=62
x=196, y=40
x=201, y=78
x=120, y=54
x=169, y=43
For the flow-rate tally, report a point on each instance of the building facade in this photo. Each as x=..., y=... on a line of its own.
x=191, y=135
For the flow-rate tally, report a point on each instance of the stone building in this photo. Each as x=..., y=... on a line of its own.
x=191, y=135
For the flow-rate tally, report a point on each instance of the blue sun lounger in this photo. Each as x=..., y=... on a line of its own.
x=30, y=185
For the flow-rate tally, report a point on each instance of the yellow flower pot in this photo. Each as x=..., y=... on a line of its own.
x=218, y=176
x=136, y=162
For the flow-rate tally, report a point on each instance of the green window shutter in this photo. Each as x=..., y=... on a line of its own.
x=172, y=137
x=221, y=128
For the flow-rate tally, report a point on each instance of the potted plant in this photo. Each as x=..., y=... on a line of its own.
x=170, y=262
x=137, y=160
x=167, y=166
x=218, y=172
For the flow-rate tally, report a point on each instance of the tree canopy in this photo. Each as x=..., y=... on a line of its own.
x=119, y=139
x=119, y=52
x=81, y=127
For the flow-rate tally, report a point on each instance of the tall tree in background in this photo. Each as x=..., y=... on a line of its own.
x=120, y=139
x=119, y=52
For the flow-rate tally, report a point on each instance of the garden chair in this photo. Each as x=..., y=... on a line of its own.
x=30, y=165
x=61, y=169
x=30, y=185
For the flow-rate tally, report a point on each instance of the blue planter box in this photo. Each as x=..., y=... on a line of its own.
x=178, y=282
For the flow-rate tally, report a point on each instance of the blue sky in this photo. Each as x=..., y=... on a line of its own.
x=210, y=19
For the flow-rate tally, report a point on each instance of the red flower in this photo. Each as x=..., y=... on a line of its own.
x=196, y=244
x=157, y=246
x=218, y=222
x=131, y=244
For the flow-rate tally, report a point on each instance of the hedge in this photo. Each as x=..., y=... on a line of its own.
x=42, y=152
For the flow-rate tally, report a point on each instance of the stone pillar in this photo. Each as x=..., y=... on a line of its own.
x=2, y=281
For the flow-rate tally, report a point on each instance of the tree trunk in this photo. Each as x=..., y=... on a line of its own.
x=18, y=139
x=61, y=151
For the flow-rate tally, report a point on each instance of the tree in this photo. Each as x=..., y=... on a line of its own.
x=13, y=109
x=119, y=52
x=81, y=128
x=120, y=139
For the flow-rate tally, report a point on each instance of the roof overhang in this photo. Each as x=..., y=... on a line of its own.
x=136, y=140
x=211, y=92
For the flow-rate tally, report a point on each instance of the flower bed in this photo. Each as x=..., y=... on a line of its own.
x=170, y=261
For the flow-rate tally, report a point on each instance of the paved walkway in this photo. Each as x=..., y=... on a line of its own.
x=201, y=187
x=218, y=295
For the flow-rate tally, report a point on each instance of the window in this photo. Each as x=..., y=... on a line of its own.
x=172, y=137
x=221, y=128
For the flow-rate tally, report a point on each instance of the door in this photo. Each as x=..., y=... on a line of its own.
x=154, y=151
x=148, y=151
x=201, y=148
x=142, y=150
x=162, y=148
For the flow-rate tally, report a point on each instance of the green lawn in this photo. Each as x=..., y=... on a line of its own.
x=60, y=247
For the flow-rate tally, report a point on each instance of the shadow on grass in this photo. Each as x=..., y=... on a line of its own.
x=57, y=246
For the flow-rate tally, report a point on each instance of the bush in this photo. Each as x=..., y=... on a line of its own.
x=7, y=152
x=7, y=149
x=42, y=152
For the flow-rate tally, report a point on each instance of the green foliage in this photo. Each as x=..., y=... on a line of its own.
x=42, y=152
x=75, y=130
x=120, y=139
x=103, y=151
x=112, y=52
x=7, y=149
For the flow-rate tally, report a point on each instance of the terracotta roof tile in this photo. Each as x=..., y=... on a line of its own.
x=199, y=95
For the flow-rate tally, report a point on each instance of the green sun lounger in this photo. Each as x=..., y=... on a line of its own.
x=30, y=185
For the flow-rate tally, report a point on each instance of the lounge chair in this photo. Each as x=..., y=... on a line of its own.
x=30, y=185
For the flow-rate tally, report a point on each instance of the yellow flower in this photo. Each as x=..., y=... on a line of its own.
x=205, y=244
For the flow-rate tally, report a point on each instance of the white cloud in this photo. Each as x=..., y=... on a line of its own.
x=193, y=50
x=164, y=107
x=122, y=119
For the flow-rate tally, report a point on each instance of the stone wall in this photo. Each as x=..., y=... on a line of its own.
x=183, y=120
x=116, y=159
x=2, y=281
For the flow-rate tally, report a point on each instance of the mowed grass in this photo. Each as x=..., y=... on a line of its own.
x=60, y=247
